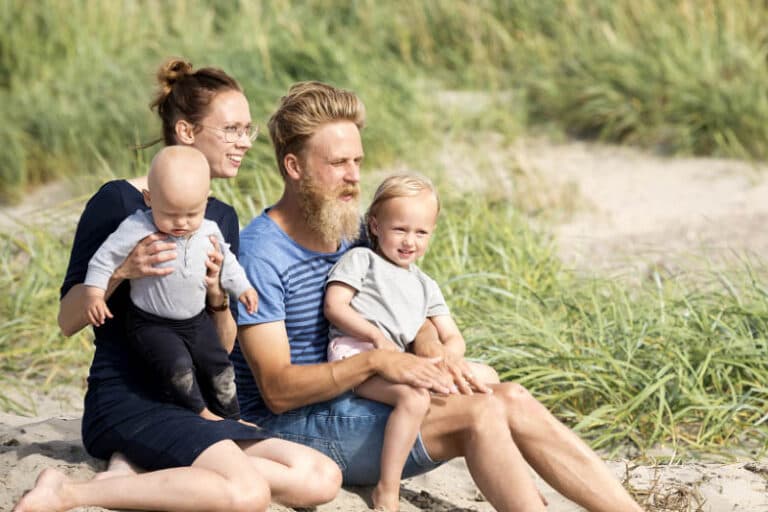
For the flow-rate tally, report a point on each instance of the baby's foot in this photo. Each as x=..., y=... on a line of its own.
x=46, y=496
x=249, y=424
x=386, y=499
x=208, y=415
x=118, y=466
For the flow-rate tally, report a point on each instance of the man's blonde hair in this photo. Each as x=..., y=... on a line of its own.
x=397, y=185
x=306, y=107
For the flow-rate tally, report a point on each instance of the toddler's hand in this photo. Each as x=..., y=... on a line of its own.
x=250, y=299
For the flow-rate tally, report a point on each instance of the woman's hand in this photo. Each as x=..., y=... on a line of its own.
x=144, y=258
x=215, y=293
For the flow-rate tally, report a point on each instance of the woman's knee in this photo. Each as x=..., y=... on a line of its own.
x=245, y=496
x=321, y=481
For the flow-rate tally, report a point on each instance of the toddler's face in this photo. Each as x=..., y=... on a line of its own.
x=178, y=214
x=404, y=226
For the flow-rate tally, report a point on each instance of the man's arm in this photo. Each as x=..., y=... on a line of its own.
x=285, y=386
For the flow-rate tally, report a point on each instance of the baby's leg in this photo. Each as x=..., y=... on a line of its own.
x=214, y=370
x=164, y=351
x=410, y=406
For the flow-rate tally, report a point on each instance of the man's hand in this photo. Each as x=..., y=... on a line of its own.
x=404, y=368
x=461, y=374
x=250, y=299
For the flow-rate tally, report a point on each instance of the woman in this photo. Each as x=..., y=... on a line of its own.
x=194, y=464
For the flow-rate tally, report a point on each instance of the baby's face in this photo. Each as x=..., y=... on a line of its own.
x=177, y=213
x=404, y=226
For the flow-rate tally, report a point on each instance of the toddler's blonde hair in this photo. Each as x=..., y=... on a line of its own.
x=397, y=185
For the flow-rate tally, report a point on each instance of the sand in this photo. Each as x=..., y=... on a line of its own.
x=628, y=211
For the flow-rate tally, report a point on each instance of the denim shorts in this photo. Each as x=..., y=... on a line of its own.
x=349, y=430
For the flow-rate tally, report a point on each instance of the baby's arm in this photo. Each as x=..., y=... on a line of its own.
x=449, y=334
x=95, y=306
x=339, y=312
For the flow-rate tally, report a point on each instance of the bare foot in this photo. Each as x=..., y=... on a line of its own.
x=208, y=415
x=118, y=466
x=47, y=495
x=249, y=424
x=386, y=500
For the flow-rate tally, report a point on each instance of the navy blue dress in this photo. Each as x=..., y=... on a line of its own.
x=126, y=407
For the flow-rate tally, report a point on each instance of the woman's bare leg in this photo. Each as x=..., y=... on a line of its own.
x=118, y=465
x=220, y=479
x=298, y=476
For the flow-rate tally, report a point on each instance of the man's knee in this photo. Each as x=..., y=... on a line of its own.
x=521, y=407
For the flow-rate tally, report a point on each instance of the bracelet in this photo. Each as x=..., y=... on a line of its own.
x=217, y=309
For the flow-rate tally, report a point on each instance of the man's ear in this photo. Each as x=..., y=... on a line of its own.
x=185, y=132
x=147, y=199
x=292, y=166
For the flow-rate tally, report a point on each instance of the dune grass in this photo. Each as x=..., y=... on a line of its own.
x=666, y=362
x=678, y=76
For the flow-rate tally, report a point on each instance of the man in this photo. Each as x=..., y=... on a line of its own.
x=285, y=384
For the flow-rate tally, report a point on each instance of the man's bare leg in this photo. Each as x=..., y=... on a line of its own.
x=474, y=426
x=478, y=427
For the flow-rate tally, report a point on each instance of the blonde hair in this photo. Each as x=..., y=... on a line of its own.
x=397, y=185
x=306, y=107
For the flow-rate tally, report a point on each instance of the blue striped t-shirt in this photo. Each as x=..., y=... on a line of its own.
x=290, y=280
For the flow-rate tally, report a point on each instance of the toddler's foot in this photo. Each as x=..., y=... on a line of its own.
x=46, y=496
x=386, y=499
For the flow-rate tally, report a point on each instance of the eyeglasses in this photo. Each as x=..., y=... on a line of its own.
x=234, y=133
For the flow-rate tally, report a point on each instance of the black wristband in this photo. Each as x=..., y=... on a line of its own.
x=216, y=309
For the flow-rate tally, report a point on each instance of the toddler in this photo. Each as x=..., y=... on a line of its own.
x=168, y=324
x=378, y=298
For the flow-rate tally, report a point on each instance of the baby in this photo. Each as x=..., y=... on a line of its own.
x=378, y=298
x=168, y=324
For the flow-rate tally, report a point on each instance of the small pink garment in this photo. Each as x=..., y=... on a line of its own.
x=346, y=346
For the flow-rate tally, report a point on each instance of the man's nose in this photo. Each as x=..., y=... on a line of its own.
x=353, y=173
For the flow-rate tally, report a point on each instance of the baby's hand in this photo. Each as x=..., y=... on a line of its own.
x=96, y=308
x=250, y=299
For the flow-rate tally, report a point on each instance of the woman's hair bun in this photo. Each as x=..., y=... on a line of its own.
x=171, y=71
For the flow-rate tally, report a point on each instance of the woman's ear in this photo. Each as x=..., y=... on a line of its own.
x=292, y=166
x=185, y=132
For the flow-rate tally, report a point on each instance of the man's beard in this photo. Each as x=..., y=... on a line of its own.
x=326, y=215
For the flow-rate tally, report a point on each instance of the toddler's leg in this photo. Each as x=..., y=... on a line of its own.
x=410, y=406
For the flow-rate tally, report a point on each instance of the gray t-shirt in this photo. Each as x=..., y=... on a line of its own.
x=180, y=294
x=395, y=299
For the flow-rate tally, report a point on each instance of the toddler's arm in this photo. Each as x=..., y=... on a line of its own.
x=339, y=312
x=95, y=306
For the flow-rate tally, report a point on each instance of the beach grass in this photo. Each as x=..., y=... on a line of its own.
x=681, y=76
